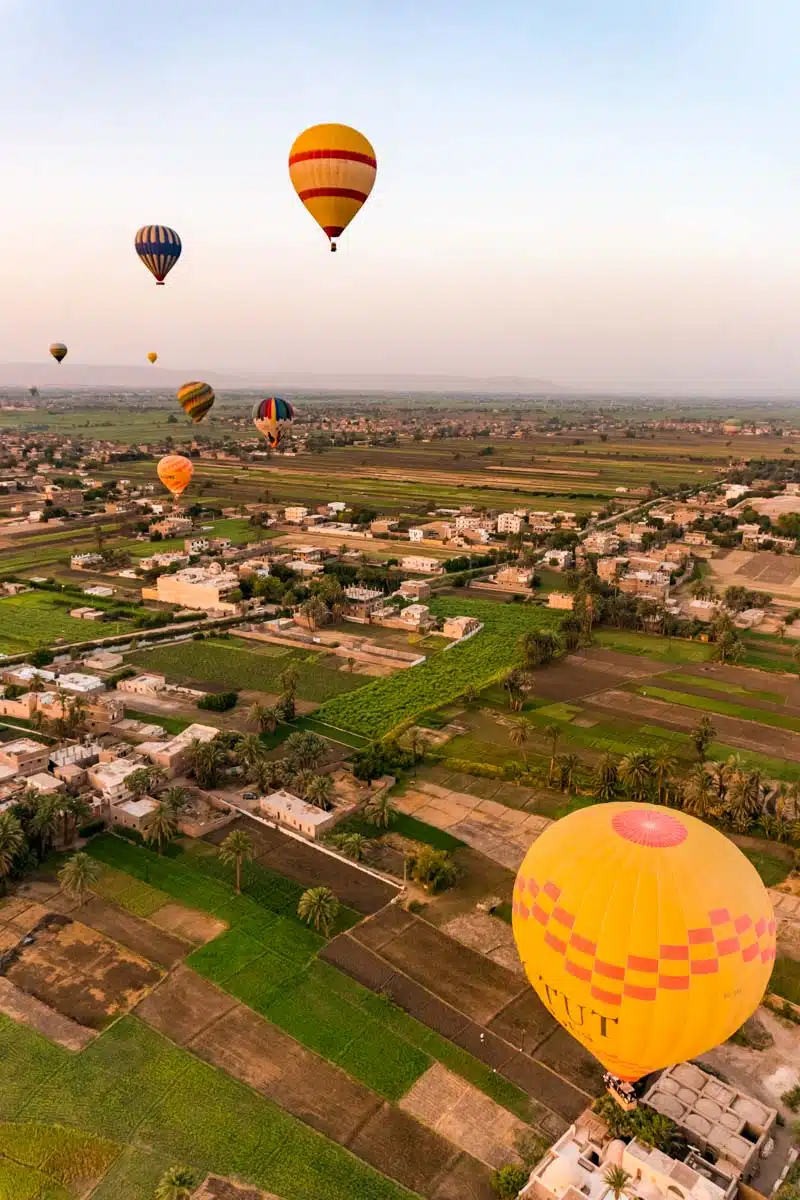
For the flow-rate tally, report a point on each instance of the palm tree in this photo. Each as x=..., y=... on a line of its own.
x=78, y=874
x=289, y=679
x=160, y=826
x=699, y=792
x=417, y=744
x=177, y=1183
x=379, y=810
x=518, y=735
x=74, y=809
x=138, y=782
x=664, y=763
x=636, y=773
x=470, y=694
x=249, y=750
x=236, y=849
x=305, y=750
x=553, y=732
x=175, y=798
x=745, y=799
x=354, y=845
x=46, y=820
x=268, y=775
x=156, y=778
x=703, y=735
x=302, y=781
x=569, y=764
x=605, y=780
x=319, y=792
x=205, y=761
x=617, y=1179
x=264, y=716
x=12, y=843
x=318, y=907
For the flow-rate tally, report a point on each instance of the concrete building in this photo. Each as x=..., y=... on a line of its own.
x=416, y=617
x=715, y=1116
x=297, y=814
x=514, y=577
x=170, y=527
x=104, y=660
x=162, y=560
x=108, y=778
x=416, y=534
x=574, y=1169
x=295, y=514
x=305, y=569
x=133, y=814
x=24, y=756
x=173, y=755
x=612, y=568
x=86, y=562
x=424, y=566
x=601, y=543
x=459, y=627
x=362, y=603
x=510, y=522
x=196, y=545
x=562, y=600
x=24, y=706
x=45, y=784
x=414, y=589
x=149, y=684
x=308, y=553
x=197, y=587
x=559, y=560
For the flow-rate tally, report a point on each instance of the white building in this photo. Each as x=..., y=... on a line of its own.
x=420, y=564
x=297, y=814
x=108, y=778
x=601, y=543
x=415, y=534
x=510, y=522
x=559, y=560
x=295, y=514
x=85, y=562
x=143, y=685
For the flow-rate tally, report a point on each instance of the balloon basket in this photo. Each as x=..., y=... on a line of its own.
x=622, y=1092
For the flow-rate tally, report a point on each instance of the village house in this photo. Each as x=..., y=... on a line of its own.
x=601, y=543
x=610, y=569
x=460, y=627
x=86, y=562
x=205, y=588
x=510, y=522
x=149, y=684
x=297, y=814
x=295, y=514
x=422, y=565
x=172, y=526
x=416, y=616
x=173, y=755
x=414, y=589
x=559, y=560
x=514, y=577
x=163, y=560
x=362, y=602
x=24, y=756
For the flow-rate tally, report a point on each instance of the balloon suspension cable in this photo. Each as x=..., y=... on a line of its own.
x=620, y=1090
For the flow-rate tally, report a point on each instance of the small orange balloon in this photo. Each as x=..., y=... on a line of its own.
x=175, y=472
x=152, y=356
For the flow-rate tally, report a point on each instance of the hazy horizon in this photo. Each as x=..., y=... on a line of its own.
x=601, y=196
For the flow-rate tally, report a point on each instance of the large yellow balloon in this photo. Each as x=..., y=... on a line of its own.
x=646, y=933
x=332, y=169
x=175, y=472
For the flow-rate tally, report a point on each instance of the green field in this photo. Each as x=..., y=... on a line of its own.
x=267, y=959
x=380, y=706
x=239, y=664
x=650, y=645
x=772, y=870
x=725, y=708
x=722, y=685
x=39, y=618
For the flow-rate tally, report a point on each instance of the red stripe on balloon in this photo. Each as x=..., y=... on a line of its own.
x=344, y=193
x=345, y=155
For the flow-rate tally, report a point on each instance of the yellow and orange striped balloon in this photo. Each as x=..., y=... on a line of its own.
x=332, y=169
x=196, y=398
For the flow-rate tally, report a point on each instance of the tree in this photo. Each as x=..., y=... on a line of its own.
x=605, y=780
x=315, y=612
x=432, y=868
x=699, y=792
x=664, y=763
x=78, y=875
x=177, y=1183
x=46, y=820
x=289, y=679
x=175, y=798
x=745, y=799
x=509, y=1181
x=417, y=744
x=636, y=773
x=617, y=1179
x=205, y=761
x=304, y=750
x=74, y=809
x=379, y=810
x=518, y=734
x=160, y=826
x=320, y=791
x=268, y=775
x=470, y=694
x=264, y=716
x=702, y=736
x=354, y=845
x=249, y=750
x=319, y=907
x=553, y=732
x=12, y=843
x=514, y=684
x=236, y=849
x=568, y=765
x=138, y=782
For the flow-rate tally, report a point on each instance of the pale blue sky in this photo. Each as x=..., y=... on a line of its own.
x=581, y=190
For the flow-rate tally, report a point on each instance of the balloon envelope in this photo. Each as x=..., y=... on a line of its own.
x=271, y=416
x=175, y=472
x=58, y=351
x=159, y=248
x=196, y=398
x=332, y=169
x=152, y=356
x=646, y=933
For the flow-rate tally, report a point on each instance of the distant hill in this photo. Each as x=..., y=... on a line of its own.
x=49, y=374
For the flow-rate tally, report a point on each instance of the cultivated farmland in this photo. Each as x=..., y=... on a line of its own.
x=40, y=619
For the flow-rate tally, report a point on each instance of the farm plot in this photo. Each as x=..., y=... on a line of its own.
x=231, y=664
x=380, y=706
x=40, y=619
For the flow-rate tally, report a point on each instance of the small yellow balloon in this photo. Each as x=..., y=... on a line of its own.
x=152, y=356
x=646, y=933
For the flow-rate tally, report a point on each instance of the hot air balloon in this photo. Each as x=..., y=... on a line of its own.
x=646, y=933
x=33, y=390
x=332, y=169
x=152, y=356
x=271, y=416
x=175, y=472
x=159, y=248
x=195, y=399
x=58, y=351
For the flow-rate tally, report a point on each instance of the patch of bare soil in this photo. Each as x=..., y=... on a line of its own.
x=217, y=1188
x=488, y=935
x=31, y=1012
x=81, y=974
x=188, y=923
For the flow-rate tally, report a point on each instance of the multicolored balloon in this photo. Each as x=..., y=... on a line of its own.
x=646, y=933
x=159, y=248
x=271, y=417
x=58, y=351
x=152, y=356
x=332, y=169
x=175, y=472
x=196, y=398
